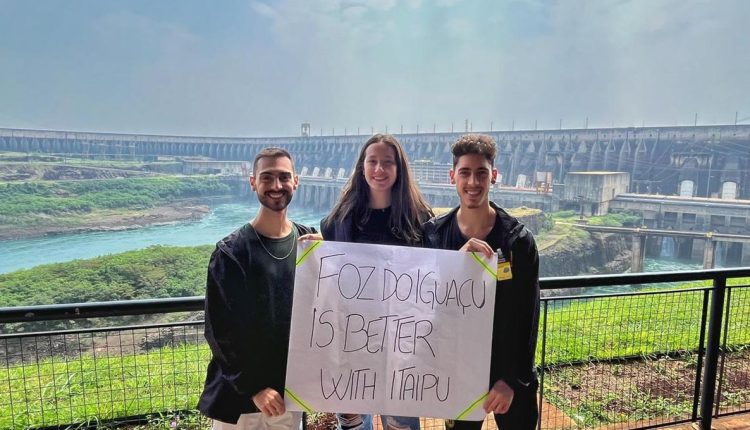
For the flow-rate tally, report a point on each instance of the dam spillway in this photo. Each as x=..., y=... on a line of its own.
x=702, y=161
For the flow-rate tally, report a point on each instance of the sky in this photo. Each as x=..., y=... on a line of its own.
x=263, y=67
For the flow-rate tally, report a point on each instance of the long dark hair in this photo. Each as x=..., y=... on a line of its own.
x=408, y=207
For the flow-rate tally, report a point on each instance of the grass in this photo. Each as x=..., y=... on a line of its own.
x=90, y=389
x=614, y=219
x=638, y=325
x=574, y=238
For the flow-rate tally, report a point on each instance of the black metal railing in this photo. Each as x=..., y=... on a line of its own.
x=640, y=355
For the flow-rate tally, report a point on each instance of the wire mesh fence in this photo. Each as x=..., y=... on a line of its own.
x=733, y=386
x=99, y=375
x=631, y=360
x=625, y=361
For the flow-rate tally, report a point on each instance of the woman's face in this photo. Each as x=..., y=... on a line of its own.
x=380, y=167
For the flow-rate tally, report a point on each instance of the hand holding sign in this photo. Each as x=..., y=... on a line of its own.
x=380, y=329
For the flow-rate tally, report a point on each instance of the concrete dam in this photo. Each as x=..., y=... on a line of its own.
x=689, y=161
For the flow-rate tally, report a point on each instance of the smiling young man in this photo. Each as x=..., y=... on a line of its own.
x=249, y=307
x=478, y=224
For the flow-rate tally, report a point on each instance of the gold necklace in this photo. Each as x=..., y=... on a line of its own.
x=294, y=244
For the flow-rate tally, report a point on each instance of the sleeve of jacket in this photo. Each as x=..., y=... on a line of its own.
x=227, y=327
x=517, y=348
x=326, y=230
x=430, y=234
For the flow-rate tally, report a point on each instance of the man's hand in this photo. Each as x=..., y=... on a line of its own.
x=269, y=402
x=478, y=245
x=499, y=398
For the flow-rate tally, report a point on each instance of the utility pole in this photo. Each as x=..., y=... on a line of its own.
x=434, y=127
x=536, y=124
x=417, y=128
x=491, y=126
x=695, y=123
x=466, y=125
x=513, y=125
x=587, y=124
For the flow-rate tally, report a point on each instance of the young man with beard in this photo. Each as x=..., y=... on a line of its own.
x=249, y=307
x=478, y=224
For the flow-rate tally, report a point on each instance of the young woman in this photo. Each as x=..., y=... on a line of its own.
x=380, y=204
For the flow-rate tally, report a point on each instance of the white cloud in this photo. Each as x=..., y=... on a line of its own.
x=263, y=9
x=460, y=28
x=349, y=63
x=446, y=3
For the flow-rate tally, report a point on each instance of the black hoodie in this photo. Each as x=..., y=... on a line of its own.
x=248, y=316
x=516, y=321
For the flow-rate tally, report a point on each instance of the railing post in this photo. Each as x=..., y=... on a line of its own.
x=542, y=370
x=712, y=351
x=701, y=353
x=725, y=334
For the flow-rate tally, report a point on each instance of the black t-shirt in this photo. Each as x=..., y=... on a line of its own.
x=376, y=229
x=457, y=239
x=271, y=272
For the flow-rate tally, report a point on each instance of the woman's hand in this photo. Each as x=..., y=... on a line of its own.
x=311, y=236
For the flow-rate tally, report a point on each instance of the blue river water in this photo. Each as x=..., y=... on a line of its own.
x=222, y=220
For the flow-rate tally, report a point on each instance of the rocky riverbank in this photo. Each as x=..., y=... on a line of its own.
x=580, y=252
x=105, y=220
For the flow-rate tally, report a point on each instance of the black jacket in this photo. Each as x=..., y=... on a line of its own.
x=344, y=231
x=516, y=321
x=247, y=332
x=338, y=231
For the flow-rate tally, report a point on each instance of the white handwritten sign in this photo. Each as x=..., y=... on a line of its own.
x=390, y=330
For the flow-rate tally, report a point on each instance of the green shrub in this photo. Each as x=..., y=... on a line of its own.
x=75, y=197
x=154, y=272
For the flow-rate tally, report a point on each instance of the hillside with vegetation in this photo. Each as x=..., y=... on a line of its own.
x=154, y=272
x=41, y=207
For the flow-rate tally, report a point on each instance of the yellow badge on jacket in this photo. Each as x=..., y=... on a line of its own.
x=503, y=269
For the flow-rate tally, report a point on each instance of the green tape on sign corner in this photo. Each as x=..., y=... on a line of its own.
x=299, y=401
x=472, y=406
x=486, y=267
x=307, y=252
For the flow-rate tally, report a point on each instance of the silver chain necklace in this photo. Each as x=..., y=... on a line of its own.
x=294, y=244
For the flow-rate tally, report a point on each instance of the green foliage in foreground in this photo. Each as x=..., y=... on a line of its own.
x=76, y=197
x=154, y=272
x=89, y=389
